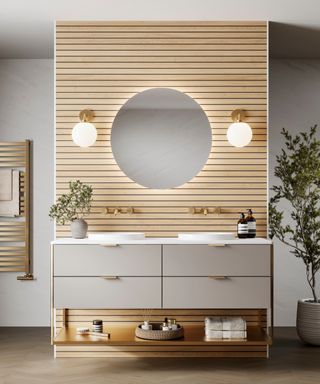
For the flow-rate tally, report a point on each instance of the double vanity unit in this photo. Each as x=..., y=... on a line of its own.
x=119, y=282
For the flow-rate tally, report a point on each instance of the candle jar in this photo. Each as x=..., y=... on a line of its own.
x=97, y=326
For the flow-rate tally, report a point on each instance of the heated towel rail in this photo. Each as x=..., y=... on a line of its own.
x=15, y=241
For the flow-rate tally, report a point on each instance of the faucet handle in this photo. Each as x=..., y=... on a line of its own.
x=118, y=210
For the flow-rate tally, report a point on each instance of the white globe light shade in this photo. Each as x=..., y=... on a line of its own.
x=84, y=134
x=239, y=134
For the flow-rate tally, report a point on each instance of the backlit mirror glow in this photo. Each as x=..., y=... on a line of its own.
x=161, y=138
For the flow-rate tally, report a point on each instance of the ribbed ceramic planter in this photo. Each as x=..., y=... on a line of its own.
x=79, y=229
x=308, y=321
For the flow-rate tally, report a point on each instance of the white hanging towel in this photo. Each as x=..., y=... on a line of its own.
x=5, y=184
x=11, y=208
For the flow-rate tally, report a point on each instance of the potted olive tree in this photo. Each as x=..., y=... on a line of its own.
x=298, y=168
x=73, y=207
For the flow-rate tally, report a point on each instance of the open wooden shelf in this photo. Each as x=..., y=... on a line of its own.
x=123, y=343
x=125, y=335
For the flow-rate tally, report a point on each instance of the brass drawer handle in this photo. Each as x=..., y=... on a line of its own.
x=217, y=245
x=109, y=245
x=110, y=277
x=219, y=277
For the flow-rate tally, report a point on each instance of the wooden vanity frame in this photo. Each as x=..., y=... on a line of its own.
x=122, y=322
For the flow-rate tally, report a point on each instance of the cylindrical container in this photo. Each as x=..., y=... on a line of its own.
x=146, y=326
x=242, y=228
x=164, y=327
x=252, y=224
x=172, y=323
x=97, y=326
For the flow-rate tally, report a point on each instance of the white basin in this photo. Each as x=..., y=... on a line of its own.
x=116, y=236
x=206, y=236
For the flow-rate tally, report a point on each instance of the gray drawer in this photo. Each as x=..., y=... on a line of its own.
x=96, y=260
x=98, y=292
x=205, y=292
x=204, y=260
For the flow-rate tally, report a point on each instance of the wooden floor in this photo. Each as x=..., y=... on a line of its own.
x=27, y=357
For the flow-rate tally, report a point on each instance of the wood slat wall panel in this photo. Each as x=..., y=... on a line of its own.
x=222, y=65
x=84, y=317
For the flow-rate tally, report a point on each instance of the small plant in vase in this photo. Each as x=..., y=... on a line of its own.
x=298, y=168
x=72, y=207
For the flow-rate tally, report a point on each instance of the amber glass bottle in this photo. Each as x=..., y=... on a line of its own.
x=252, y=224
x=242, y=228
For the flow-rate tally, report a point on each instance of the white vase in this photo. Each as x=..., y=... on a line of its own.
x=308, y=321
x=79, y=229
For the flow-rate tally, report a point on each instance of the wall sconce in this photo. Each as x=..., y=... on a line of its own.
x=239, y=134
x=84, y=133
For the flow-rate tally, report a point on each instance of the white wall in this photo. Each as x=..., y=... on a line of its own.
x=26, y=112
x=295, y=105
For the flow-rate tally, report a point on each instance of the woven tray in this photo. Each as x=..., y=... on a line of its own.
x=157, y=334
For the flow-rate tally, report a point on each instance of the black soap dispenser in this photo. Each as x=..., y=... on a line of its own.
x=252, y=224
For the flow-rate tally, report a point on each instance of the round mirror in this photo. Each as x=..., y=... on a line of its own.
x=161, y=138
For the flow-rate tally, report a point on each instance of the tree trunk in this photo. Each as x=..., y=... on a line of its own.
x=313, y=285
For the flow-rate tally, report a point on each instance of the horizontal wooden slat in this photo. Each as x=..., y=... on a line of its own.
x=166, y=42
x=148, y=26
x=161, y=62
x=134, y=35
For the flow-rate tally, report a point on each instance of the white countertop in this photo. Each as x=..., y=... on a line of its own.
x=162, y=240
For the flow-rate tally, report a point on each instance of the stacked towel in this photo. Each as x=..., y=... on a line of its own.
x=225, y=328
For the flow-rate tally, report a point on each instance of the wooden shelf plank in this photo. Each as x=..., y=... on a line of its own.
x=123, y=335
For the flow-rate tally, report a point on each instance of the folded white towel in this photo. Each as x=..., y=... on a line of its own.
x=234, y=324
x=225, y=335
x=227, y=323
x=234, y=334
x=214, y=323
x=213, y=334
x=11, y=208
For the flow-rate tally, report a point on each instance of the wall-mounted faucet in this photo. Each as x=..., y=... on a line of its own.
x=119, y=210
x=205, y=210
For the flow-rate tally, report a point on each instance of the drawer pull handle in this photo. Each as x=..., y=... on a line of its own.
x=109, y=245
x=110, y=277
x=217, y=245
x=219, y=277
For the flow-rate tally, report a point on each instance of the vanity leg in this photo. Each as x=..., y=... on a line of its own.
x=64, y=317
x=272, y=291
